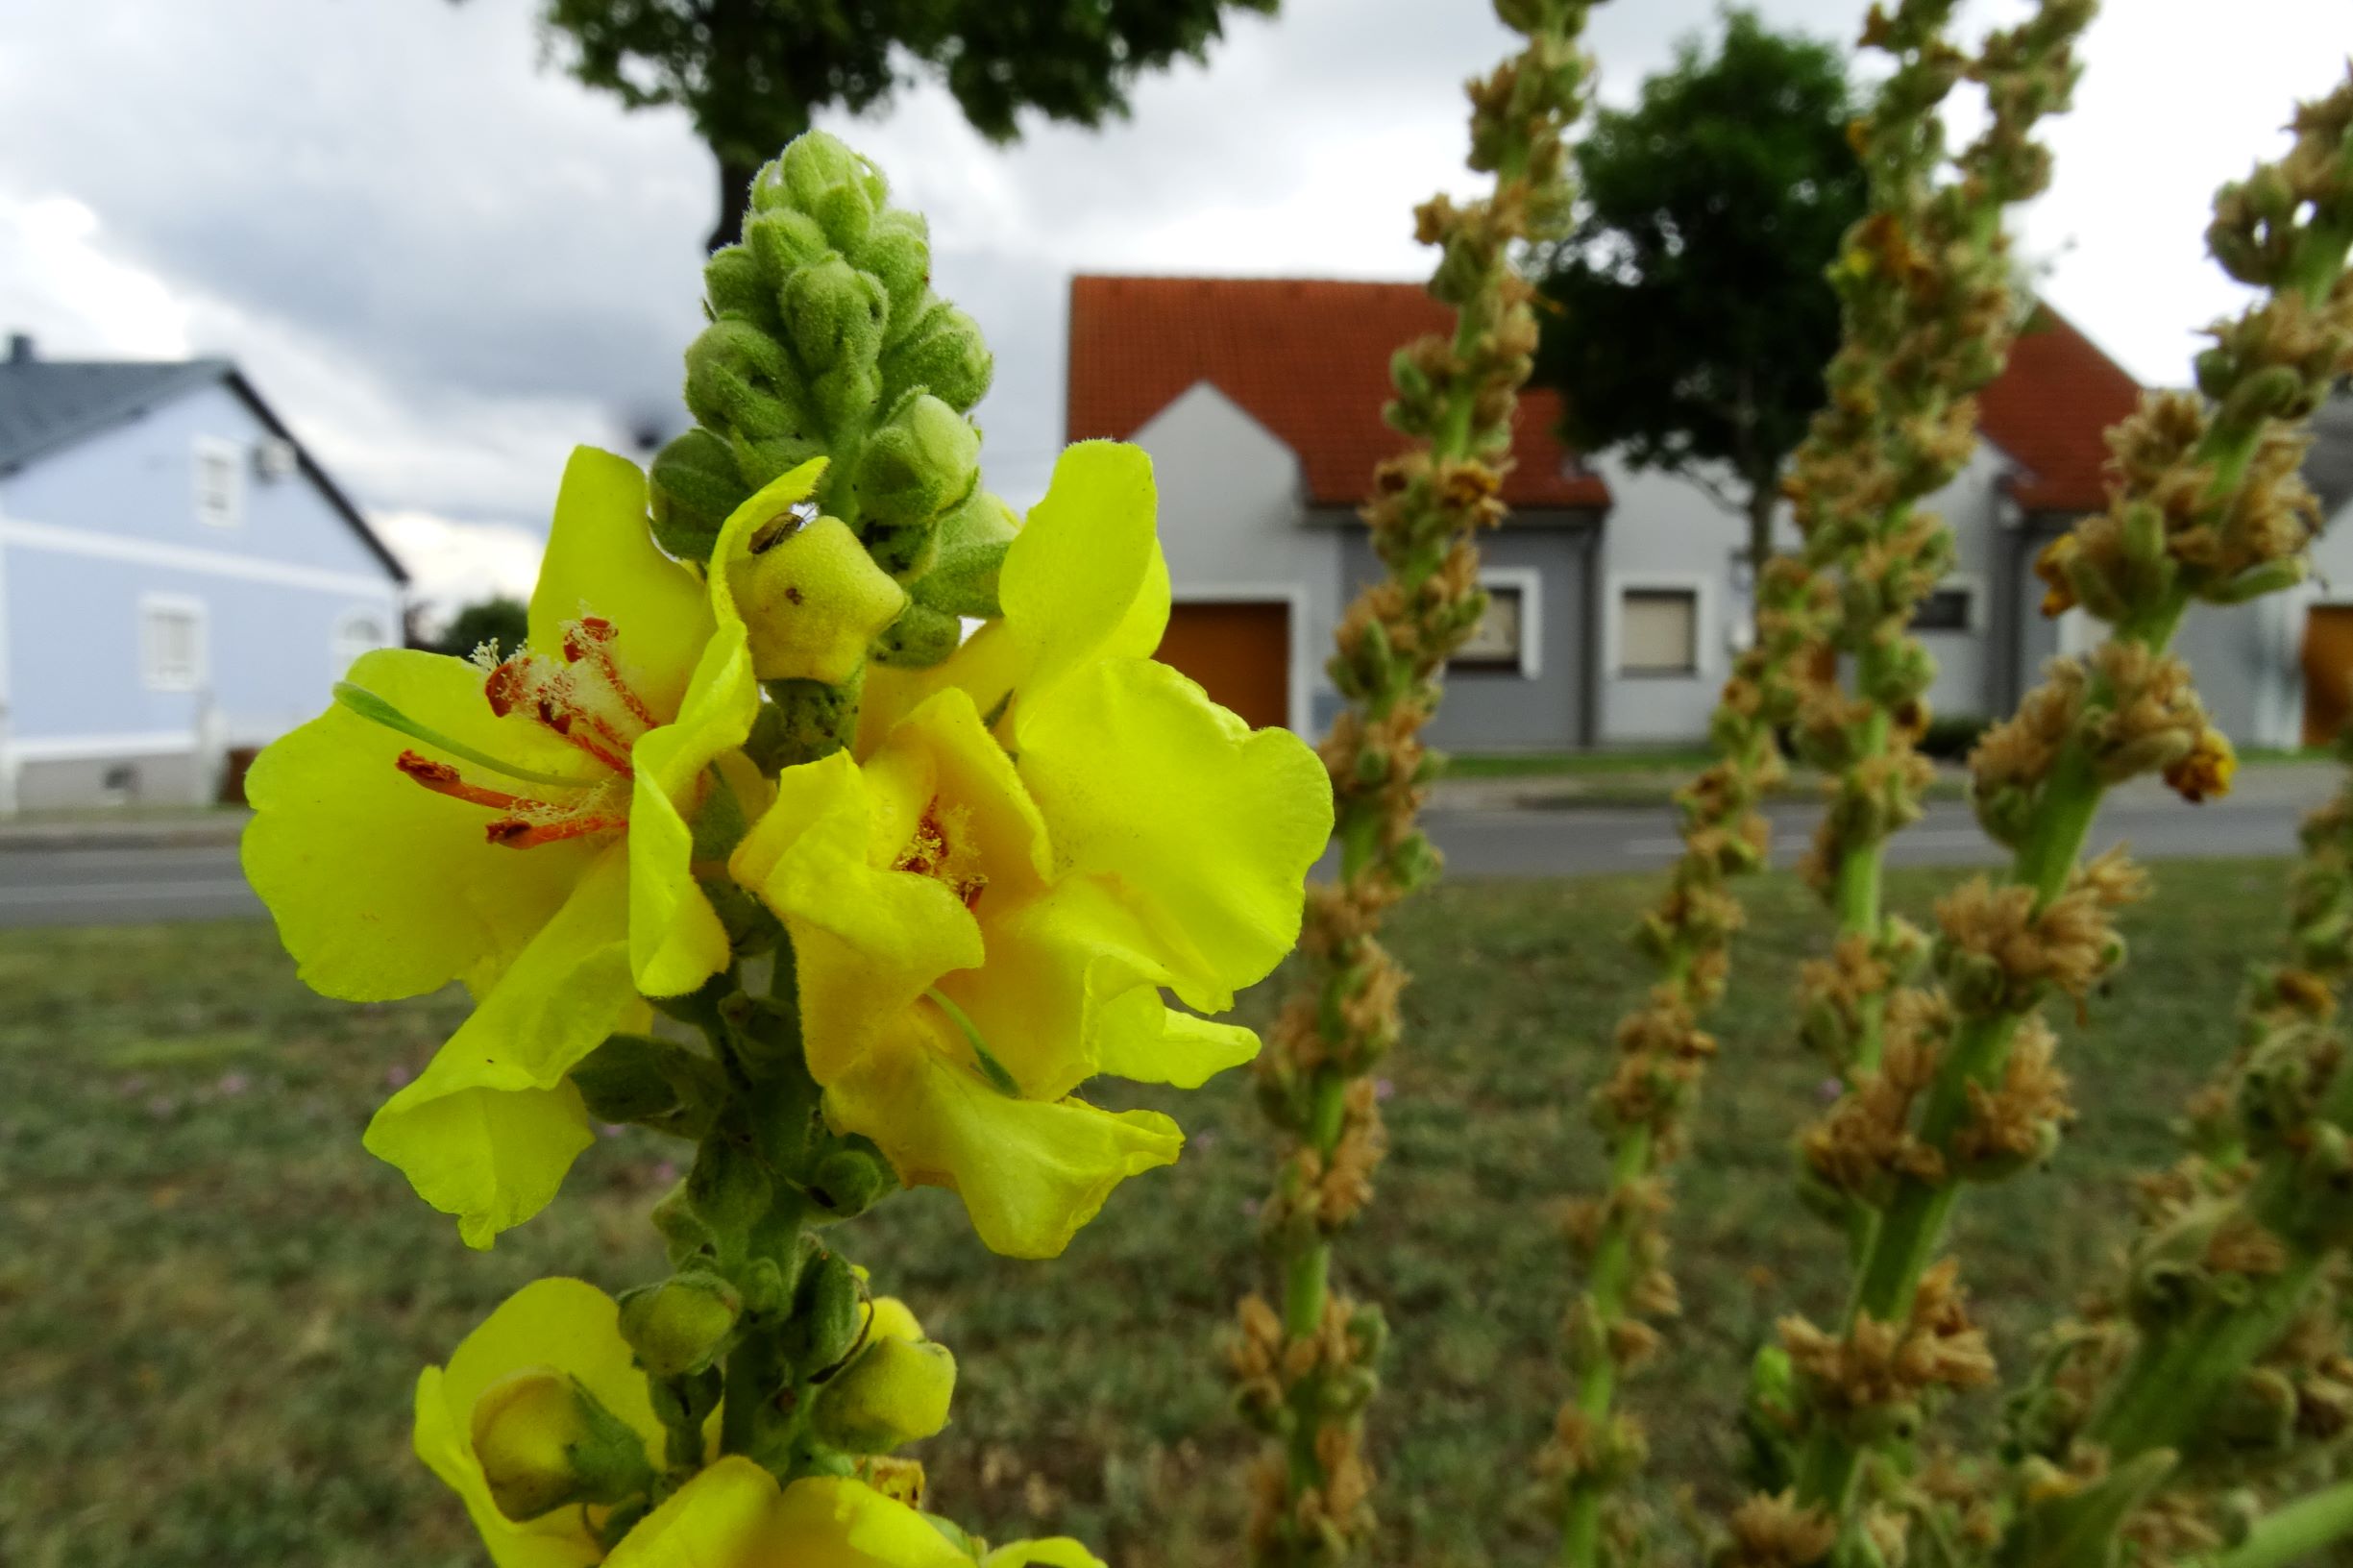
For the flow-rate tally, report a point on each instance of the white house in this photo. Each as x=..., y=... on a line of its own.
x=1619, y=598
x=179, y=581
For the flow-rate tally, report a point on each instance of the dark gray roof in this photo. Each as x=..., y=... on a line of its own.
x=2328, y=468
x=49, y=403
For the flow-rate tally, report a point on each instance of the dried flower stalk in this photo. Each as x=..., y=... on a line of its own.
x=2205, y=503
x=1929, y=319
x=1305, y=1370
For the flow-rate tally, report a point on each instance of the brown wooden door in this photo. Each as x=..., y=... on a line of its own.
x=1240, y=655
x=2328, y=672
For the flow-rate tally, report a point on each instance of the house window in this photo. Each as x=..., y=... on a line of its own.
x=1495, y=643
x=172, y=643
x=1658, y=632
x=1946, y=609
x=220, y=482
x=361, y=632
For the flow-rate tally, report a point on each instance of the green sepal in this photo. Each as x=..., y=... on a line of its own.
x=942, y=353
x=737, y=288
x=828, y=1312
x=642, y=1081
x=695, y=484
x=918, y=639
x=923, y=462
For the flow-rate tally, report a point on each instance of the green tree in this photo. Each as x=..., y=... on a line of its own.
x=504, y=619
x=750, y=73
x=1692, y=317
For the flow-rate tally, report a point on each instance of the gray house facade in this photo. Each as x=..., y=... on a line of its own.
x=179, y=583
x=1619, y=598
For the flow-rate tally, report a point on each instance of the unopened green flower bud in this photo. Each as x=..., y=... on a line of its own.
x=544, y=1441
x=833, y=185
x=897, y=252
x=848, y=1179
x=968, y=556
x=678, y=1326
x=921, y=464
x=918, y=639
x=644, y=1080
x=685, y=1236
x=833, y=315
x=740, y=382
x=895, y=1393
x=942, y=353
x=727, y=1186
x=829, y=1311
x=782, y=242
x=695, y=485
x=739, y=289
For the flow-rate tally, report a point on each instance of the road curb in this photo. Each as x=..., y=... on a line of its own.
x=194, y=833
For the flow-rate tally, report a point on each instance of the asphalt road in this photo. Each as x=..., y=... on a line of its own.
x=86, y=886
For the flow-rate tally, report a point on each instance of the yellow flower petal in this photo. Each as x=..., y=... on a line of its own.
x=733, y=1515
x=1083, y=580
x=1141, y=1037
x=563, y=1323
x=1056, y=1552
x=487, y=1131
x=867, y=940
x=382, y=888
x=1030, y=1172
x=676, y=938
x=601, y=560
x=1056, y=961
x=1209, y=827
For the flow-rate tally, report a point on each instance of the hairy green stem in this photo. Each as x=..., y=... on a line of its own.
x=1611, y=1273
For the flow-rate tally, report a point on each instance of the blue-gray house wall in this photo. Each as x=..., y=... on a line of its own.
x=95, y=531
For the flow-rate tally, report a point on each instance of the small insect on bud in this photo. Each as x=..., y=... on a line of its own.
x=811, y=598
x=544, y=1441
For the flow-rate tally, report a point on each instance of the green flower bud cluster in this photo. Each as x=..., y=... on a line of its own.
x=826, y=340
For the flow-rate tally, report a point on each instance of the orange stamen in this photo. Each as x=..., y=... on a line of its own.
x=443, y=779
x=590, y=638
x=522, y=833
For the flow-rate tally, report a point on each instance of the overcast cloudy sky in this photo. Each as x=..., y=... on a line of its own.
x=445, y=265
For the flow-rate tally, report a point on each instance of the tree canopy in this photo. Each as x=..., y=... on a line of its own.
x=503, y=619
x=1692, y=318
x=751, y=72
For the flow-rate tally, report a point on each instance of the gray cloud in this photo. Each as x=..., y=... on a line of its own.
x=447, y=264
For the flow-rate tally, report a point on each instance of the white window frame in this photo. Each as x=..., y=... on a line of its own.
x=1703, y=634
x=340, y=638
x=152, y=605
x=229, y=454
x=1972, y=585
x=1528, y=583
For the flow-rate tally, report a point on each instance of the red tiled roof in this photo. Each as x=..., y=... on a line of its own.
x=2050, y=413
x=1308, y=359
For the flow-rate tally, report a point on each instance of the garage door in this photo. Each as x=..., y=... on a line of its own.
x=2328, y=672
x=1240, y=653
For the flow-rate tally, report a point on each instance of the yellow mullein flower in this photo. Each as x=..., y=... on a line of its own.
x=735, y=1515
x=558, y=1326
x=527, y=827
x=977, y=931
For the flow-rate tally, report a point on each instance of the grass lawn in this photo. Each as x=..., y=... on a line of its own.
x=213, y=1304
